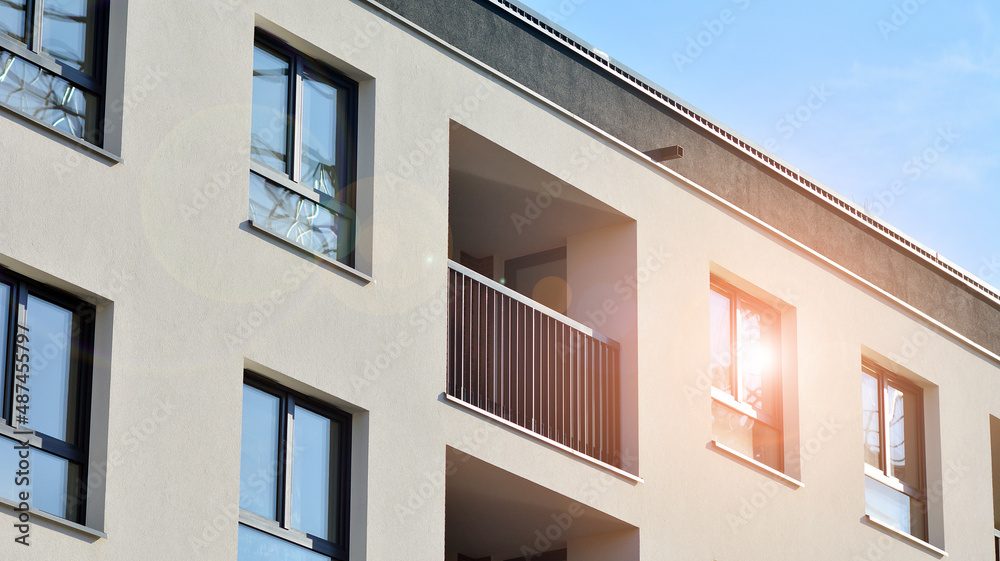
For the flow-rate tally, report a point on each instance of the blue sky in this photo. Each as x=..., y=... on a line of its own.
x=895, y=104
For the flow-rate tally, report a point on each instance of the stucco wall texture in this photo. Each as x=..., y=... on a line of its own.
x=189, y=298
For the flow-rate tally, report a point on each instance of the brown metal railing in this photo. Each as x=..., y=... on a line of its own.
x=532, y=366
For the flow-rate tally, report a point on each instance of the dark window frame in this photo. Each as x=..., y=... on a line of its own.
x=344, y=202
x=338, y=547
x=82, y=343
x=884, y=377
x=31, y=51
x=731, y=399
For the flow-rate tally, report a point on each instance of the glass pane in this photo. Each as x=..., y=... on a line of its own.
x=896, y=509
x=68, y=32
x=4, y=309
x=721, y=342
x=756, y=359
x=47, y=97
x=12, y=18
x=314, y=474
x=870, y=419
x=269, y=115
x=903, y=438
x=748, y=437
x=54, y=379
x=321, y=124
x=259, y=442
x=255, y=545
x=52, y=483
x=294, y=217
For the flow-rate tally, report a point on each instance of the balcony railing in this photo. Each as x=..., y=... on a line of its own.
x=532, y=366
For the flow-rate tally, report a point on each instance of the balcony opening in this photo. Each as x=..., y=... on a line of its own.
x=542, y=326
x=494, y=515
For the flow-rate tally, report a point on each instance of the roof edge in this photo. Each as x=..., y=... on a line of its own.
x=782, y=168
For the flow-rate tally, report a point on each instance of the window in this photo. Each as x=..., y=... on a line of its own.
x=52, y=63
x=894, y=450
x=48, y=338
x=303, y=145
x=294, y=476
x=746, y=374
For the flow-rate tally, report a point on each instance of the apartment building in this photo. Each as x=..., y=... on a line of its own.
x=433, y=279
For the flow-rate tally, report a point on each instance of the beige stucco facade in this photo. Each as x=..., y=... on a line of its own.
x=190, y=297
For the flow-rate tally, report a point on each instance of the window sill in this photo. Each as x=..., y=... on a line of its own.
x=768, y=470
x=30, y=121
x=79, y=530
x=906, y=537
x=365, y=279
x=617, y=471
x=30, y=437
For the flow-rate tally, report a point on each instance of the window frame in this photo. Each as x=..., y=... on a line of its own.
x=883, y=377
x=731, y=400
x=301, y=64
x=30, y=50
x=82, y=344
x=280, y=528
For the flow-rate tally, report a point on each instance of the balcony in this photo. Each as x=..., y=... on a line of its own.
x=543, y=304
x=532, y=366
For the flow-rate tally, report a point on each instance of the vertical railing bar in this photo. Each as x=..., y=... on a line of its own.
x=605, y=403
x=519, y=374
x=581, y=365
x=474, y=340
x=495, y=359
x=543, y=374
x=588, y=437
x=481, y=363
x=533, y=378
x=466, y=356
x=608, y=407
x=504, y=358
x=452, y=323
x=550, y=357
x=617, y=412
x=605, y=393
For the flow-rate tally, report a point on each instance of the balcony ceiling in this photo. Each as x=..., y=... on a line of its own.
x=489, y=186
x=491, y=511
